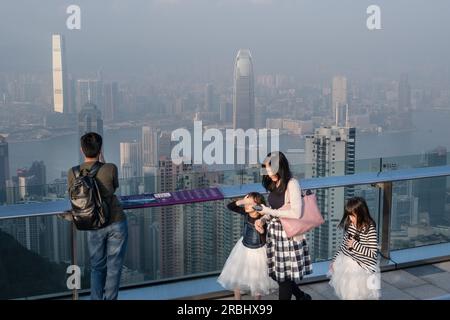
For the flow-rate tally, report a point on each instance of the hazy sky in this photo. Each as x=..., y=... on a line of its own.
x=307, y=38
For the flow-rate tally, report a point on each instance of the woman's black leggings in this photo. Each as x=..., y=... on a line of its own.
x=289, y=288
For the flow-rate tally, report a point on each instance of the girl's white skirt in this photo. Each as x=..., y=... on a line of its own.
x=351, y=282
x=246, y=269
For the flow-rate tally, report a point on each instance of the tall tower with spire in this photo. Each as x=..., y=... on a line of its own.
x=243, y=91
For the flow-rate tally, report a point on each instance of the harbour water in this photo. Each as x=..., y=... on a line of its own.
x=432, y=129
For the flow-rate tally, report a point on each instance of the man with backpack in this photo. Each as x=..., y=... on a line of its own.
x=96, y=209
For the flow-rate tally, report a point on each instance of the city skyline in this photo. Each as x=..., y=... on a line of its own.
x=345, y=99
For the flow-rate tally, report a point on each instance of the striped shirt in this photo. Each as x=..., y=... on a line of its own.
x=365, y=249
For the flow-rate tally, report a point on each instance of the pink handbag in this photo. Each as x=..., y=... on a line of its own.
x=310, y=219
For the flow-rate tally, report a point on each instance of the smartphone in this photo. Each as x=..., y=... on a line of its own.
x=257, y=207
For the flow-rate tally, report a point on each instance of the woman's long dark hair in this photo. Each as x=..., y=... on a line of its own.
x=284, y=172
x=358, y=207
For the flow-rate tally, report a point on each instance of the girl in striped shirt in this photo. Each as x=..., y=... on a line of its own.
x=355, y=272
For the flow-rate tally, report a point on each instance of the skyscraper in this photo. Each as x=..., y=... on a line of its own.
x=4, y=167
x=130, y=167
x=83, y=93
x=111, y=100
x=25, y=182
x=134, y=255
x=170, y=221
x=338, y=96
x=12, y=192
x=89, y=120
x=31, y=182
x=243, y=91
x=150, y=146
x=150, y=220
x=404, y=93
x=209, y=98
x=404, y=210
x=71, y=94
x=59, y=70
x=130, y=160
x=150, y=175
x=26, y=231
x=89, y=91
x=228, y=230
x=200, y=223
x=61, y=239
x=165, y=144
x=329, y=152
x=226, y=112
x=432, y=192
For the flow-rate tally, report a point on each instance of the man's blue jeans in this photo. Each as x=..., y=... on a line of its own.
x=107, y=248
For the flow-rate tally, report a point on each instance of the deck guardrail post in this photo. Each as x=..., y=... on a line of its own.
x=73, y=235
x=386, y=220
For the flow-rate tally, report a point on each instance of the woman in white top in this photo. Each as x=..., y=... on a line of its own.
x=288, y=258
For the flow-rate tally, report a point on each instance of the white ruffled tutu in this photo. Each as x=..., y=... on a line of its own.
x=247, y=270
x=351, y=282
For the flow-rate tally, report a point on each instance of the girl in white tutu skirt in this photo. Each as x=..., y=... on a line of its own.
x=245, y=270
x=355, y=272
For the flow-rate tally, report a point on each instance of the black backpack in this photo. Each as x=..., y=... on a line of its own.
x=89, y=210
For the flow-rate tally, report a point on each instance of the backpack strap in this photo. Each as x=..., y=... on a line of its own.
x=76, y=171
x=94, y=169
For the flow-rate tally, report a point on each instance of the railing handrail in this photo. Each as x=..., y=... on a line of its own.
x=59, y=206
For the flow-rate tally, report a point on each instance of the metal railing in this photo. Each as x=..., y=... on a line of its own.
x=382, y=180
